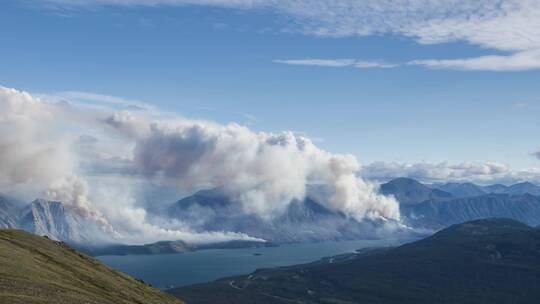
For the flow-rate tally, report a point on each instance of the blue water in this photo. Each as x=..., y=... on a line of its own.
x=173, y=270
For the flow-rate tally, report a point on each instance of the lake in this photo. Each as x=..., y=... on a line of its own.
x=180, y=269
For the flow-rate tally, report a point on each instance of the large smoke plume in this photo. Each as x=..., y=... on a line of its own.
x=55, y=148
x=264, y=171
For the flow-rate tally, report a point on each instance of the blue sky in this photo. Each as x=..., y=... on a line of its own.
x=218, y=62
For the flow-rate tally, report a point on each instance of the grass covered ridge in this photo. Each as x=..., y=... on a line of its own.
x=34, y=269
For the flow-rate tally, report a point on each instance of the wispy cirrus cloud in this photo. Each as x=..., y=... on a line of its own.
x=362, y=64
x=512, y=26
x=97, y=99
x=520, y=61
x=499, y=24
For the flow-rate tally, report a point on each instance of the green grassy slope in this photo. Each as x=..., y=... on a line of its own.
x=34, y=269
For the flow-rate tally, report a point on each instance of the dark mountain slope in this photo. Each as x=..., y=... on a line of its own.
x=523, y=188
x=435, y=214
x=485, y=261
x=409, y=191
x=516, y=189
x=461, y=189
x=35, y=269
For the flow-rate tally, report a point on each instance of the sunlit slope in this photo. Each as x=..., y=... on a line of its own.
x=34, y=269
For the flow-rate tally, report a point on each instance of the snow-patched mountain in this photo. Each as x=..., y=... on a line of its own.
x=53, y=219
x=302, y=221
x=8, y=212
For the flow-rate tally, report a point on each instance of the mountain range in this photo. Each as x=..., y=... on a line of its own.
x=410, y=191
x=438, y=206
x=424, y=208
x=484, y=261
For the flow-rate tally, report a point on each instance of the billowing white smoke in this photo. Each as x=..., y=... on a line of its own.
x=31, y=154
x=263, y=171
x=41, y=153
x=37, y=159
x=73, y=190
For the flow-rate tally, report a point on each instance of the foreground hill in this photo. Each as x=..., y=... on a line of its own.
x=484, y=261
x=35, y=269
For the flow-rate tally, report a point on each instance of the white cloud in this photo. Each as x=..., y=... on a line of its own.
x=483, y=173
x=318, y=62
x=363, y=64
x=250, y=118
x=520, y=61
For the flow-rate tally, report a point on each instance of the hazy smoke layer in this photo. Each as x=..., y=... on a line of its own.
x=54, y=149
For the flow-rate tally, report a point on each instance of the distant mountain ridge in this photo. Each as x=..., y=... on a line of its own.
x=167, y=247
x=433, y=214
x=421, y=208
x=410, y=191
x=462, y=189
x=516, y=189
